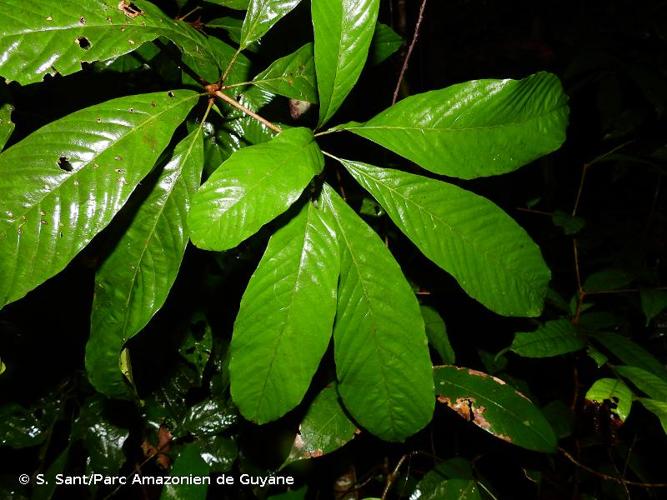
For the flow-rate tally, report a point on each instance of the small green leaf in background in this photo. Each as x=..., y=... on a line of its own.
x=134, y=281
x=452, y=479
x=46, y=491
x=615, y=392
x=343, y=31
x=630, y=352
x=103, y=439
x=6, y=124
x=653, y=302
x=436, y=331
x=255, y=185
x=570, y=224
x=489, y=254
x=599, y=358
x=658, y=408
x=188, y=463
x=654, y=386
x=553, y=338
x=63, y=184
x=561, y=418
x=385, y=42
x=198, y=344
x=609, y=279
x=286, y=317
x=380, y=346
x=291, y=76
x=494, y=406
x=231, y=25
x=261, y=16
x=56, y=36
x=231, y=4
x=21, y=427
x=473, y=129
x=324, y=429
x=207, y=418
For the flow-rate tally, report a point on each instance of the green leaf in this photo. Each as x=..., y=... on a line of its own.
x=219, y=453
x=658, y=408
x=343, y=31
x=6, y=124
x=324, y=429
x=231, y=4
x=494, y=406
x=291, y=76
x=599, y=358
x=62, y=184
x=380, y=347
x=561, y=418
x=189, y=463
x=233, y=27
x=46, y=491
x=255, y=185
x=102, y=439
x=261, y=16
x=614, y=391
x=553, y=338
x=56, y=36
x=489, y=254
x=436, y=331
x=207, y=418
x=23, y=427
x=197, y=346
x=630, y=353
x=645, y=381
x=609, y=279
x=218, y=55
x=286, y=316
x=473, y=129
x=385, y=42
x=570, y=224
x=134, y=281
x=433, y=487
x=653, y=302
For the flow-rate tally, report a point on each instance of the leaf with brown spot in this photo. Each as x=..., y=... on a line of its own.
x=494, y=406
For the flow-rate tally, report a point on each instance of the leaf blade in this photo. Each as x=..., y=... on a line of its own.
x=65, y=182
x=488, y=253
x=133, y=282
x=343, y=31
x=553, y=338
x=291, y=76
x=261, y=16
x=380, y=347
x=286, y=317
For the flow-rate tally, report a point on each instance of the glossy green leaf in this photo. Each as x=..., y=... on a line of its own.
x=653, y=302
x=231, y=25
x=197, y=347
x=343, y=31
x=630, y=352
x=261, y=16
x=291, y=76
x=219, y=453
x=6, y=124
x=488, y=253
x=255, y=185
x=56, y=36
x=645, y=381
x=207, y=418
x=102, y=439
x=473, y=129
x=609, y=279
x=286, y=317
x=599, y=358
x=436, y=331
x=188, y=463
x=658, y=408
x=553, y=338
x=231, y=4
x=133, y=282
x=324, y=429
x=63, y=184
x=494, y=406
x=21, y=427
x=433, y=487
x=208, y=65
x=615, y=392
x=384, y=44
x=380, y=347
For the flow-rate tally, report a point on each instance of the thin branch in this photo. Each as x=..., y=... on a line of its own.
x=607, y=477
x=391, y=478
x=249, y=112
x=406, y=60
x=533, y=211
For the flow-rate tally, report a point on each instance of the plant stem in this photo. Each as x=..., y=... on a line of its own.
x=249, y=112
x=415, y=36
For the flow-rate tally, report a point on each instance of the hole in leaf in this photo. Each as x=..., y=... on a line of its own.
x=129, y=9
x=64, y=164
x=170, y=94
x=83, y=42
x=82, y=20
